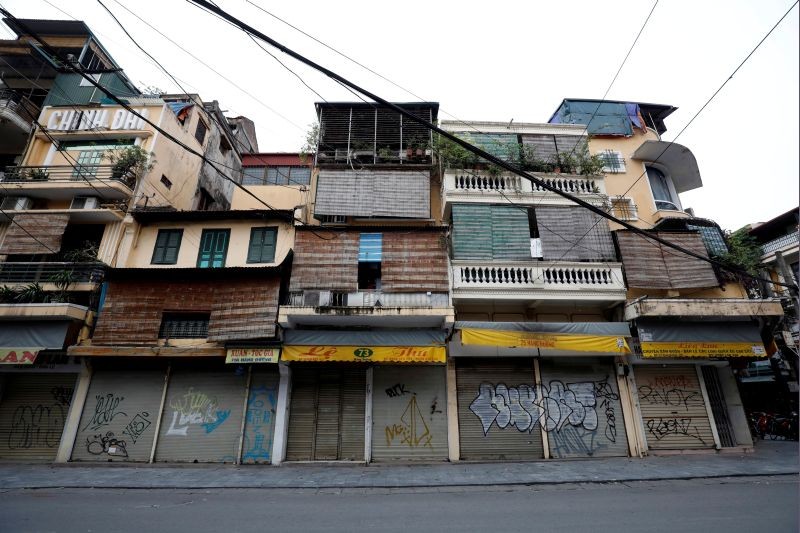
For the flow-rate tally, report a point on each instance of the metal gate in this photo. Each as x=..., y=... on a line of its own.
x=259, y=425
x=409, y=413
x=672, y=406
x=582, y=411
x=326, y=414
x=718, y=406
x=493, y=421
x=202, y=419
x=33, y=410
x=119, y=416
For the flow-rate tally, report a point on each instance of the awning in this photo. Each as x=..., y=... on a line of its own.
x=605, y=337
x=679, y=161
x=19, y=356
x=48, y=334
x=386, y=346
x=700, y=339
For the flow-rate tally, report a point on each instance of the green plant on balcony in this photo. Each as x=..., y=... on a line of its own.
x=85, y=253
x=130, y=163
x=38, y=174
x=7, y=295
x=31, y=293
x=451, y=155
x=310, y=143
x=385, y=153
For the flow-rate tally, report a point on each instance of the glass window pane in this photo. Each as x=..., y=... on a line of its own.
x=253, y=175
x=300, y=176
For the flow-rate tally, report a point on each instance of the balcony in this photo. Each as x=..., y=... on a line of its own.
x=17, y=110
x=477, y=186
x=519, y=280
x=373, y=308
x=782, y=244
x=63, y=182
x=46, y=274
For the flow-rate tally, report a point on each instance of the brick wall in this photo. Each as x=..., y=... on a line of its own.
x=241, y=309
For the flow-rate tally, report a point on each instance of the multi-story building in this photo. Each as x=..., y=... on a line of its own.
x=689, y=318
x=368, y=308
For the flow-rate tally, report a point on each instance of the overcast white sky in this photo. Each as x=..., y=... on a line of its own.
x=497, y=61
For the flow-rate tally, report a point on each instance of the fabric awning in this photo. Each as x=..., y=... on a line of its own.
x=605, y=337
x=21, y=342
x=389, y=346
x=700, y=339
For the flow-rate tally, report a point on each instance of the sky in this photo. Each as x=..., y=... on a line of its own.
x=498, y=61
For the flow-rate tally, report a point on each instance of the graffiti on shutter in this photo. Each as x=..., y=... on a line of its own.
x=260, y=418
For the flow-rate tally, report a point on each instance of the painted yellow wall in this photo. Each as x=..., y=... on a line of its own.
x=141, y=252
x=276, y=196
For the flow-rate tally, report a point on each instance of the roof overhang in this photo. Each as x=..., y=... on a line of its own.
x=677, y=160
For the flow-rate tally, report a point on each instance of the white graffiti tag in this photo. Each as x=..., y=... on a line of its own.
x=196, y=408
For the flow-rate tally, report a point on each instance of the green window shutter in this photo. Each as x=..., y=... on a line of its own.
x=510, y=233
x=168, y=243
x=262, y=245
x=472, y=231
x=213, y=248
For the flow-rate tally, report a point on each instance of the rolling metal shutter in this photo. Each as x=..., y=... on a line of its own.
x=583, y=415
x=492, y=421
x=202, y=419
x=409, y=413
x=673, y=410
x=119, y=416
x=259, y=425
x=33, y=410
x=326, y=415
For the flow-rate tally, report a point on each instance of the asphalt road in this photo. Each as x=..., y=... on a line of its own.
x=729, y=505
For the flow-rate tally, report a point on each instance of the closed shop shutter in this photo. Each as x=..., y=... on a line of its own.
x=202, y=417
x=496, y=415
x=259, y=425
x=119, y=417
x=326, y=415
x=33, y=409
x=583, y=415
x=673, y=410
x=409, y=413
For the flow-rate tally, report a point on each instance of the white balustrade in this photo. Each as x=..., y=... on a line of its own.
x=475, y=181
x=542, y=275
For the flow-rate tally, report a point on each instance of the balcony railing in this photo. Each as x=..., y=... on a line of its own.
x=12, y=101
x=780, y=242
x=68, y=173
x=543, y=276
x=480, y=182
x=23, y=273
x=366, y=298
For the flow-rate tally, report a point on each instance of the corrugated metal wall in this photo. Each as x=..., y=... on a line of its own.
x=582, y=411
x=672, y=406
x=259, y=426
x=33, y=410
x=202, y=419
x=497, y=418
x=409, y=413
x=119, y=417
x=326, y=415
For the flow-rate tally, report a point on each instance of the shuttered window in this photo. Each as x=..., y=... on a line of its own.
x=370, y=248
x=262, y=245
x=574, y=234
x=613, y=162
x=213, y=248
x=168, y=243
x=491, y=232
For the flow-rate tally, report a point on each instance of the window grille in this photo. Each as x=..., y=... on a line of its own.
x=184, y=326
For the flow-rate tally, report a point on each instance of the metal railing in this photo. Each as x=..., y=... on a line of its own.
x=43, y=272
x=19, y=104
x=780, y=242
x=68, y=173
x=366, y=298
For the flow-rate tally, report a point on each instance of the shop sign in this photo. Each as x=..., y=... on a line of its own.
x=18, y=356
x=702, y=349
x=527, y=339
x=252, y=355
x=382, y=354
x=89, y=119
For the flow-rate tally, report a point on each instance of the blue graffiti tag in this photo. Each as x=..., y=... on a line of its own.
x=222, y=416
x=260, y=409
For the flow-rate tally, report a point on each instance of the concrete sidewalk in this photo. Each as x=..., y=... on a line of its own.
x=769, y=458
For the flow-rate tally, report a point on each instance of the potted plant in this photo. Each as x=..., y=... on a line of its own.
x=130, y=163
x=38, y=174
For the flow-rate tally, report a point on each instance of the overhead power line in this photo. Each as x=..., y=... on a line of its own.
x=453, y=138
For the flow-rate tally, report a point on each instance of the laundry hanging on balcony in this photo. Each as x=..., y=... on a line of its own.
x=700, y=339
x=385, y=346
x=596, y=337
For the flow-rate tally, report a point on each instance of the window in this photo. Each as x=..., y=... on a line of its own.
x=168, y=243
x=262, y=245
x=200, y=132
x=224, y=145
x=87, y=163
x=184, y=326
x=712, y=238
x=254, y=175
x=533, y=230
x=613, y=161
x=277, y=175
x=370, y=252
x=166, y=182
x=663, y=192
x=213, y=248
x=85, y=83
x=623, y=208
x=206, y=201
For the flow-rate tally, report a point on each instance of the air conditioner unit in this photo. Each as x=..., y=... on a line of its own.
x=84, y=202
x=316, y=298
x=355, y=299
x=16, y=203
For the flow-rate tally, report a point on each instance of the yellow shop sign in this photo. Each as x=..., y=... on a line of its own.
x=383, y=354
x=555, y=341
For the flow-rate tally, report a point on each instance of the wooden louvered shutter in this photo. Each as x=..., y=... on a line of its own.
x=558, y=233
x=686, y=271
x=593, y=236
x=641, y=257
x=472, y=231
x=510, y=233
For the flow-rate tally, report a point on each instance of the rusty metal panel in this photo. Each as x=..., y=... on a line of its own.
x=35, y=234
x=325, y=260
x=414, y=262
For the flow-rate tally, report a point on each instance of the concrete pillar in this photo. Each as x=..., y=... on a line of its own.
x=368, y=417
x=733, y=402
x=709, y=411
x=638, y=432
x=537, y=379
x=51, y=153
x=282, y=414
x=453, y=448
x=627, y=403
x=74, y=414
